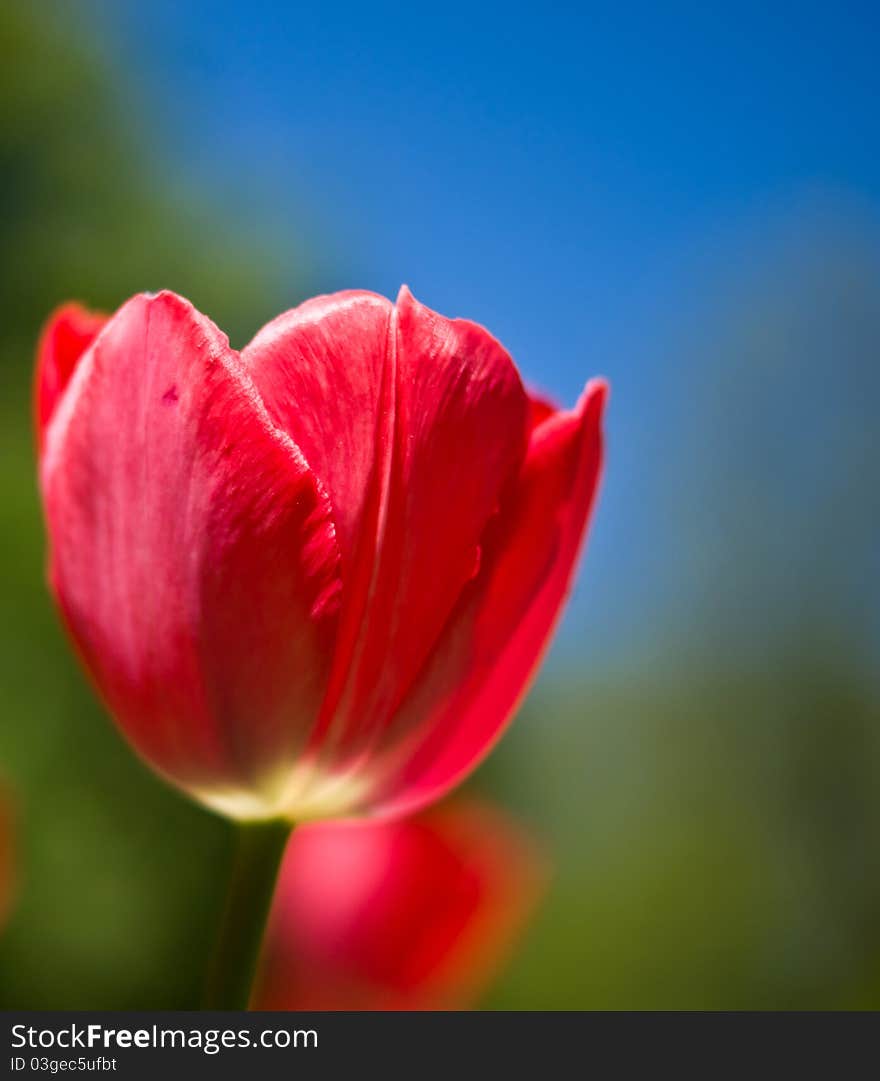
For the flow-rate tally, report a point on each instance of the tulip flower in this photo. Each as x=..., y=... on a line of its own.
x=7, y=857
x=314, y=577
x=411, y=914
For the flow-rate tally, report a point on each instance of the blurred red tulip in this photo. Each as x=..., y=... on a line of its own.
x=7, y=857
x=416, y=913
x=314, y=577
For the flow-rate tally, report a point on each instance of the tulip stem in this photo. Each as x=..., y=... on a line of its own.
x=259, y=847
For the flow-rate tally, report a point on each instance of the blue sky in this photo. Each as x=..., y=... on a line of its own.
x=572, y=176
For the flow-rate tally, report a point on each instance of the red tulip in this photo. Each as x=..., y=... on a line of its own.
x=416, y=913
x=8, y=861
x=314, y=577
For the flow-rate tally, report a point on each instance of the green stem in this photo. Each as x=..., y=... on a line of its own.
x=258, y=851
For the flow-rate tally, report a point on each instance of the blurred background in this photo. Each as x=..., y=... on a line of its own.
x=682, y=198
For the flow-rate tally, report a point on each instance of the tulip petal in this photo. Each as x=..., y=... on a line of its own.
x=415, y=424
x=193, y=554
x=490, y=651
x=460, y=422
x=68, y=332
x=326, y=372
x=320, y=370
x=540, y=409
